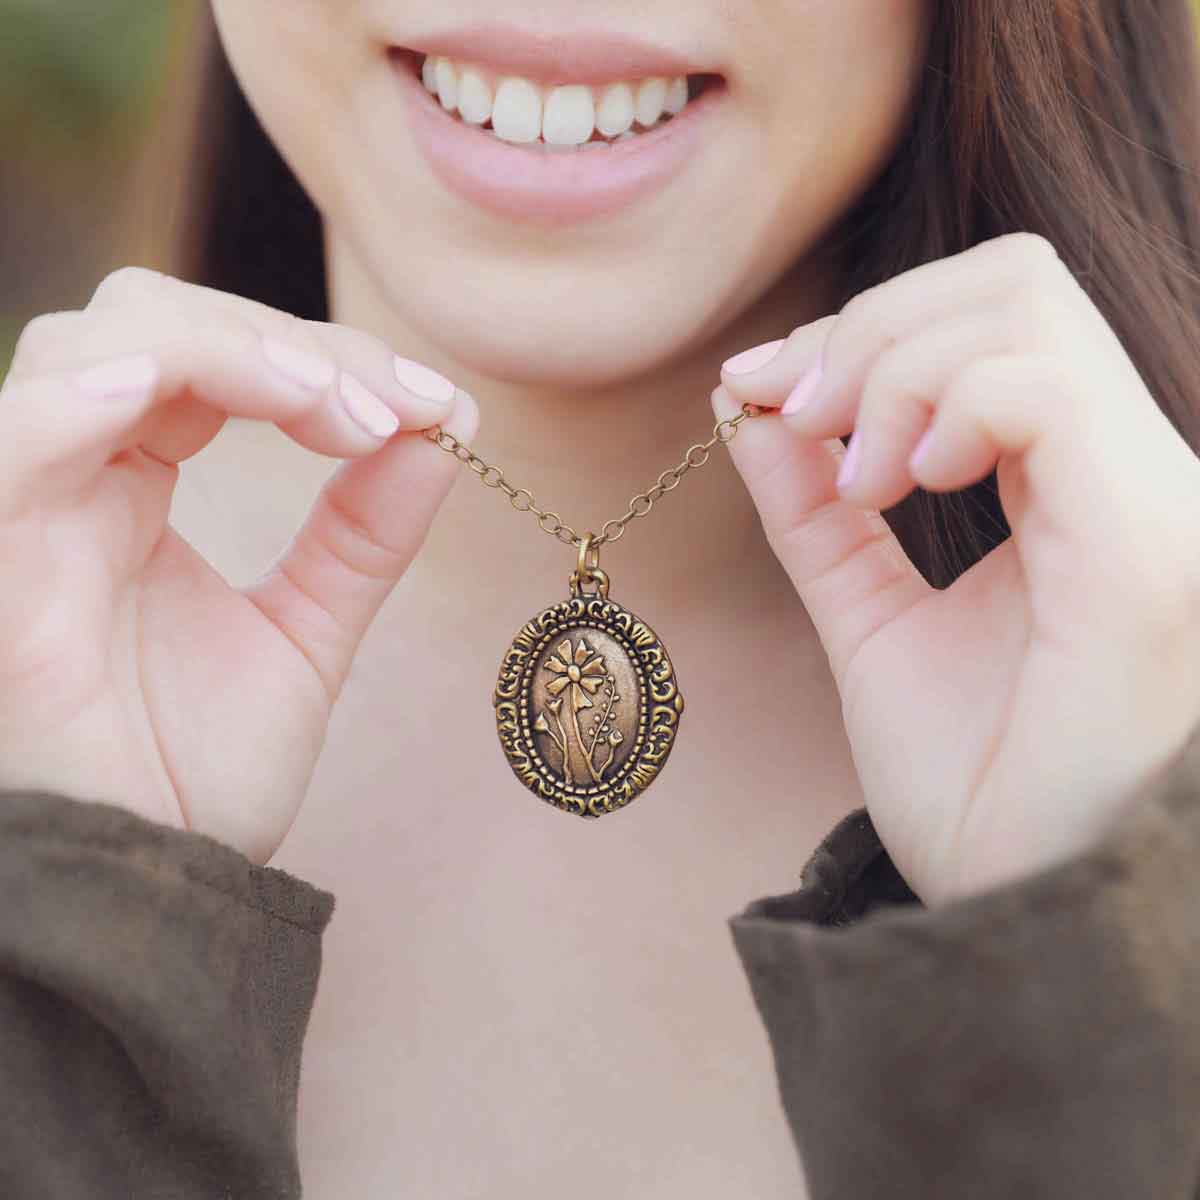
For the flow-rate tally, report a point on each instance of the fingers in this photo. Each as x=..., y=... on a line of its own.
x=995, y=358
x=898, y=346
x=991, y=407
x=387, y=374
x=367, y=524
x=883, y=363
x=1099, y=498
x=1015, y=275
x=164, y=369
x=767, y=374
x=844, y=344
x=846, y=564
x=898, y=398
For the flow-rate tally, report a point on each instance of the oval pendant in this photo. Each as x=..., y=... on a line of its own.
x=587, y=705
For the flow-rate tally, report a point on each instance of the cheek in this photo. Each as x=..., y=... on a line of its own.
x=296, y=63
x=846, y=78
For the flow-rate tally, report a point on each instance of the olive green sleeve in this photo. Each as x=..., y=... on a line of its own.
x=1040, y=1040
x=155, y=988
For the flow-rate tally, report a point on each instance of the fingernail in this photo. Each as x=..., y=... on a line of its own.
x=367, y=409
x=752, y=359
x=463, y=421
x=916, y=460
x=423, y=382
x=121, y=378
x=308, y=370
x=805, y=389
x=850, y=461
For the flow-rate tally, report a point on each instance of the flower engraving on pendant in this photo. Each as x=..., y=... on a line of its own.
x=587, y=705
x=580, y=673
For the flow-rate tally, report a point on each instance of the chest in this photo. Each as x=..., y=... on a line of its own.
x=514, y=1001
x=518, y=1002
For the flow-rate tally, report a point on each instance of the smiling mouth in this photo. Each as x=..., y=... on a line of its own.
x=521, y=111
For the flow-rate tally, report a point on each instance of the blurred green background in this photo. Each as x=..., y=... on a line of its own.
x=94, y=106
x=84, y=85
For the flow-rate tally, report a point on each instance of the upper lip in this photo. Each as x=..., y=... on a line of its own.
x=581, y=56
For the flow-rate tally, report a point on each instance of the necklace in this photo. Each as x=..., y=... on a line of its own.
x=587, y=703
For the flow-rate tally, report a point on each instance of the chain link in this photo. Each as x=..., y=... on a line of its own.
x=639, y=506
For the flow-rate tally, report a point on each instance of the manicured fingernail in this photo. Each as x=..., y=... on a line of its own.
x=367, y=409
x=805, y=389
x=916, y=460
x=463, y=421
x=752, y=359
x=120, y=379
x=423, y=382
x=308, y=370
x=850, y=462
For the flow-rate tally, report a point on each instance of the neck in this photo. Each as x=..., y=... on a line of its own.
x=584, y=452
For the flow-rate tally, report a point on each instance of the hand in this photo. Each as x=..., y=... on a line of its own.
x=130, y=672
x=1001, y=724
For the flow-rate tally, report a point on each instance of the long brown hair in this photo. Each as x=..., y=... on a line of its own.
x=1075, y=119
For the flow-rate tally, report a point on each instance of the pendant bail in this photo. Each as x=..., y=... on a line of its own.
x=586, y=550
x=589, y=569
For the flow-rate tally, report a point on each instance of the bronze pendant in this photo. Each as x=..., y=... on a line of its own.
x=587, y=705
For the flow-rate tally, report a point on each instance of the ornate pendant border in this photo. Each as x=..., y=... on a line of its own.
x=660, y=705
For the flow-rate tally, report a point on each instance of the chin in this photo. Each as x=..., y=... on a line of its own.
x=555, y=355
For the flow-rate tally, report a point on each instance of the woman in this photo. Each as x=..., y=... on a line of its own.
x=975, y=221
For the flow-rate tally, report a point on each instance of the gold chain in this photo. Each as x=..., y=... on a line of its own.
x=639, y=506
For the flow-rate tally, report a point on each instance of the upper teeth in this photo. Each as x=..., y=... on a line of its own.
x=522, y=111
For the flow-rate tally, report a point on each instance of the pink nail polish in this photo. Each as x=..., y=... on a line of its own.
x=367, y=409
x=850, y=462
x=916, y=460
x=752, y=359
x=805, y=389
x=123, y=378
x=423, y=382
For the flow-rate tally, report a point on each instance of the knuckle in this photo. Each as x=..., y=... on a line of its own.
x=860, y=308
x=1164, y=617
x=127, y=283
x=288, y=328
x=973, y=383
x=1033, y=250
x=802, y=335
x=1032, y=310
x=344, y=340
x=864, y=320
x=890, y=390
x=1191, y=594
x=242, y=331
x=40, y=339
x=1055, y=376
x=295, y=328
x=196, y=347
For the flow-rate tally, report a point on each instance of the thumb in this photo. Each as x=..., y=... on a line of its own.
x=367, y=524
x=847, y=566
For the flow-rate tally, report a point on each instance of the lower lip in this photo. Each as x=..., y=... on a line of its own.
x=533, y=183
